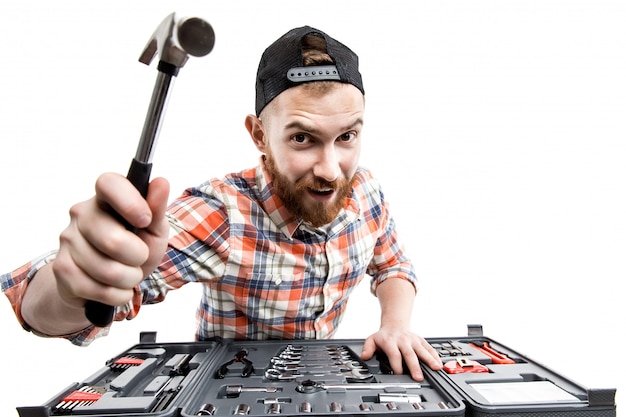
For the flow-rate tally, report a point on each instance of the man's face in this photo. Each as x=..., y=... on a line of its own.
x=312, y=142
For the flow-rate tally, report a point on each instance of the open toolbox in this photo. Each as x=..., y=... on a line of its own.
x=321, y=378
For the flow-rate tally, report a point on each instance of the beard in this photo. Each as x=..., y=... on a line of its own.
x=296, y=199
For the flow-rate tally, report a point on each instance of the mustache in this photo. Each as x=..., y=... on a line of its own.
x=318, y=184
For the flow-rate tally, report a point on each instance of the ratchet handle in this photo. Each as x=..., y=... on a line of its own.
x=97, y=313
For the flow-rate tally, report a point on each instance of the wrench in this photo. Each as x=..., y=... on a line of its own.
x=276, y=360
x=354, y=374
x=309, y=386
x=343, y=366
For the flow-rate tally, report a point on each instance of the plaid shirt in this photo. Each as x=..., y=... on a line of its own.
x=265, y=273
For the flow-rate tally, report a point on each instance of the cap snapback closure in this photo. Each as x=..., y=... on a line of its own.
x=313, y=73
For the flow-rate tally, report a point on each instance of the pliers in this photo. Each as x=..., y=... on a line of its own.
x=240, y=356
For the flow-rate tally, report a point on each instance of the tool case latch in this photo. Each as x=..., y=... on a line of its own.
x=37, y=411
x=147, y=337
x=474, y=329
x=601, y=396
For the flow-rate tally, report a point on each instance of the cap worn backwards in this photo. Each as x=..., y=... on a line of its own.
x=282, y=67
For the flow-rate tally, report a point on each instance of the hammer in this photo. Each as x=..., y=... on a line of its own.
x=174, y=40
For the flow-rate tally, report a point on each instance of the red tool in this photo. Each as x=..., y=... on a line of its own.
x=494, y=355
x=126, y=362
x=462, y=365
x=81, y=397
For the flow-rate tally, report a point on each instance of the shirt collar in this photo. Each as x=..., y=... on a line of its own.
x=286, y=221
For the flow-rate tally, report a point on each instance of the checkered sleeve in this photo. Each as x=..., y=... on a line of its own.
x=197, y=249
x=14, y=285
x=390, y=259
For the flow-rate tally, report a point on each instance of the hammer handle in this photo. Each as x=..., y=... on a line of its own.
x=96, y=312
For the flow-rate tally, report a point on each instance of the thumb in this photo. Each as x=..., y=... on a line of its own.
x=157, y=198
x=158, y=192
x=156, y=234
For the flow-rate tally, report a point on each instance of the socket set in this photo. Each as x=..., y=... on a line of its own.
x=320, y=378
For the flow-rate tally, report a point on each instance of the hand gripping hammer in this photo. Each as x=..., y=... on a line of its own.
x=173, y=40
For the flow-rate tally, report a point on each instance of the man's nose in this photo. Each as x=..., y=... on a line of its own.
x=327, y=165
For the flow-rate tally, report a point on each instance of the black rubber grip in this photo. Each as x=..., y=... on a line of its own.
x=97, y=313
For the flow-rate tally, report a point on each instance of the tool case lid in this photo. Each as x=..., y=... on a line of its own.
x=494, y=379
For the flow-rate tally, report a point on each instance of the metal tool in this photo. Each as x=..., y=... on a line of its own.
x=168, y=393
x=85, y=395
x=464, y=365
x=273, y=400
x=351, y=374
x=317, y=356
x=233, y=391
x=308, y=368
x=309, y=386
x=364, y=407
x=207, y=410
x=125, y=362
x=241, y=357
x=242, y=409
x=459, y=348
x=275, y=360
x=335, y=407
x=173, y=40
x=387, y=397
x=417, y=406
x=314, y=348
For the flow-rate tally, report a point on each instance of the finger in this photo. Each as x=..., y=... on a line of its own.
x=79, y=256
x=430, y=356
x=118, y=193
x=394, y=357
x=368, y=349
x=76, y=285
x=95, y=230
x=158, y=194
x=156, y=235
x=411, y=360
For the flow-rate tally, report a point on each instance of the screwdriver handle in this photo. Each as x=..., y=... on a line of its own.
x=97, y=313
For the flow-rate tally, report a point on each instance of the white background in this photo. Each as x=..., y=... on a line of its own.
x=497, y=128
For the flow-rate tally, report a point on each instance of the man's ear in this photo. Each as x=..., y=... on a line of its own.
x=254, y=125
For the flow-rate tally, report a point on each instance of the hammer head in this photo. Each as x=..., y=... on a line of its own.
x=175, y=39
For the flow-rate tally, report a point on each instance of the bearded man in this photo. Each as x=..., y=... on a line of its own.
x=277, y=248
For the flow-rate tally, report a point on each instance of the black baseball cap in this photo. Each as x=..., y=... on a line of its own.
x=281, y=66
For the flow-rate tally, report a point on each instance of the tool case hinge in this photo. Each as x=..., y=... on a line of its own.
x=147, y=337
x=474, y=329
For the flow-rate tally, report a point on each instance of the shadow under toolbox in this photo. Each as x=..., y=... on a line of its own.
x=321, y=378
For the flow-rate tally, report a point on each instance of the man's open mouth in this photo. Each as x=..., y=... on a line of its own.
x=325, y=191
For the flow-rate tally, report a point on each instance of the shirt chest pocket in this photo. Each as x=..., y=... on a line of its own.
x=271, y=296
x=273, y=299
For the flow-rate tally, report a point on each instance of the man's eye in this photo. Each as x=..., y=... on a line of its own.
x=347, y=137
x=300, y=138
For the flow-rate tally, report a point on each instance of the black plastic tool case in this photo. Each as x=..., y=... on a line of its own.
x=321, y=378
